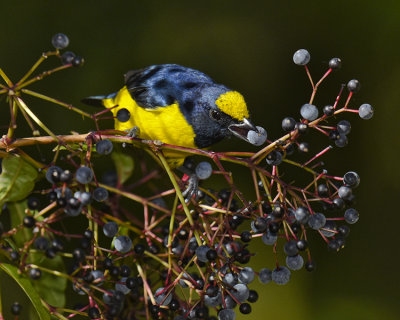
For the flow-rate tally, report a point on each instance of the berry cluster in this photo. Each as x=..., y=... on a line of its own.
x=60, y=41
x=131, y=256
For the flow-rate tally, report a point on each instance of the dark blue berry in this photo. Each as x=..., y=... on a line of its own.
x=333, y=245
x=211, y=255
x=53, y=174
x=345, y=193
x=310, y=266
x=131, y=283
x=84, y=175
x=183, y=234
x=29, y=221
x=78, y=61
x=34, y=273
x=67, y=57
x=245, y=236
x=351, y=179
x=16, y=308
x=52, y=196
x=353, y=85
x=309, y=112
x=260, y=224
x=60, y=41
x=343, y=127
x=281, y=275
x=78, y=254
x=338, y=203
x=88, y=234
x=33, y=203
x=274, y=158
x=302, y=127
x=114, y=271
x=107, y=263
x=278, y=211
x=290, y=248
x=328, y=110
x=212, y=291
x=50, y=253
x=302, y=245
x=301, y=57
x=41, y=243
x=125, y=271
x=334, y=135
x=304, y=147
x=323, y=190
x=139, y=248
x=343, y=231
x=288, y=124
x=104, y=146
x=253, y=296
x=123, y=115
x=66, y=176
x=14, y=255
x=123, y=244
x=245, y=308
x=274, y=227
x=100, y=194
x=57, y=245
x=365, y=111
x=335, y=63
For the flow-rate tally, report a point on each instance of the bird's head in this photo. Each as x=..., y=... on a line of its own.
x=220, y=113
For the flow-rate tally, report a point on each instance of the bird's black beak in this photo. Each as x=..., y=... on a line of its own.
x=242, y=129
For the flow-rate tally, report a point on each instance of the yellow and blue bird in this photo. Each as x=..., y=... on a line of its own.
x=178, y=106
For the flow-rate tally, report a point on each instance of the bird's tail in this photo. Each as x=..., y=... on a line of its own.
x=100, y=101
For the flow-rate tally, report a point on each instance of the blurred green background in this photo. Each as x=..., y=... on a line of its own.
x=248, y=45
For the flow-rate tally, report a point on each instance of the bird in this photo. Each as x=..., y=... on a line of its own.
x=177, y=105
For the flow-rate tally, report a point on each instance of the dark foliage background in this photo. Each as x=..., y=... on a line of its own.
x=248, y=45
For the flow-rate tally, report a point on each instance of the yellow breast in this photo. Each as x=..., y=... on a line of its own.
x=166, y=124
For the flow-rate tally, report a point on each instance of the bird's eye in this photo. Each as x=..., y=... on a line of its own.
x=215, y=114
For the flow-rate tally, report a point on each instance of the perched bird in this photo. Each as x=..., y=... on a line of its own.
x=179, y=106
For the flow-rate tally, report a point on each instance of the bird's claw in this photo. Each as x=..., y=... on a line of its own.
x=192, y=188
x=133, y=132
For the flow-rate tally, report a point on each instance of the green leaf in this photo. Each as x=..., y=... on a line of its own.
x=50, y=287
x=124, y=164
x=16, y=180
x=26, y=285
x=17, y=214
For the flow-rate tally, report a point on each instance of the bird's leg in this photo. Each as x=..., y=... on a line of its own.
x=133, y=132
x=192, y=188
x=191, y=178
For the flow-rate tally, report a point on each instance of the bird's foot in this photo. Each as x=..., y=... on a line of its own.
x=133, y=132
x=189, y=177
x=192, y=187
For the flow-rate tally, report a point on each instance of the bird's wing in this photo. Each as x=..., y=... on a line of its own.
x=162, y=85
